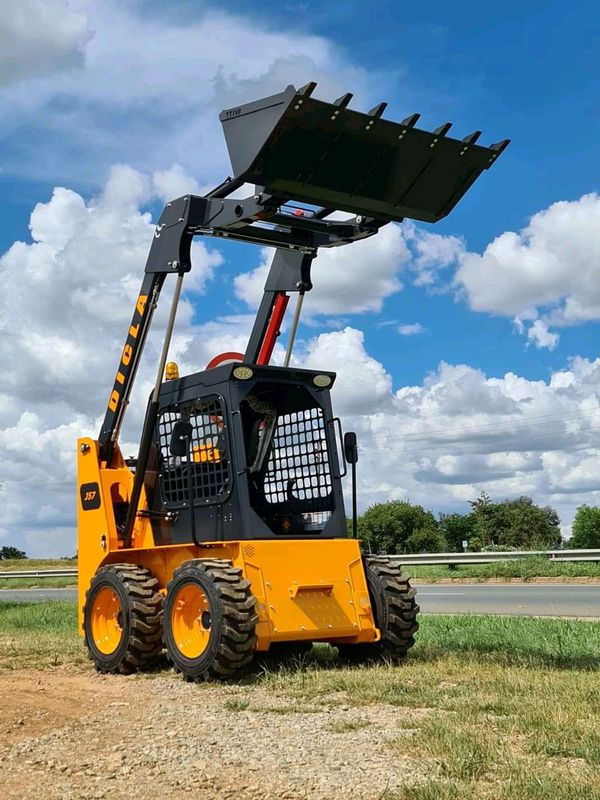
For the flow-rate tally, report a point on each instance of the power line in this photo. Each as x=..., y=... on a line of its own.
x=522, y=421
x=489, y=428
x=377, y=448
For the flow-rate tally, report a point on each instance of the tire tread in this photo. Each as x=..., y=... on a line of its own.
x=239, y=619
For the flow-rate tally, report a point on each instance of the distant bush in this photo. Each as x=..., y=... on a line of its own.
x=456, y=529
x=517, y=524
x=11, y=552
x=425, y=540
x=586, y=528
x=387, y=527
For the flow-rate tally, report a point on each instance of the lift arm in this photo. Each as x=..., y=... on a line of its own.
x=289, y=272
x=260, y=219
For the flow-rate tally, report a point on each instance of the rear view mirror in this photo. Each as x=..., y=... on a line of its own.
x=350, y=447
x=180, y=438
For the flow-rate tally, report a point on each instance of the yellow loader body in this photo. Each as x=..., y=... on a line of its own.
x=305, y=590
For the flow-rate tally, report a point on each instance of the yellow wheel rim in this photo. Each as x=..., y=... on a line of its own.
x=191, y=620
x=106, y=621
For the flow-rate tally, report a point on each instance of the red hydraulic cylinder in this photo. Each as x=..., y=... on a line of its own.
x=273, y=328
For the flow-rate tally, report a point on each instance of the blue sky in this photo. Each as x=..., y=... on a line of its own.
x=91, y=85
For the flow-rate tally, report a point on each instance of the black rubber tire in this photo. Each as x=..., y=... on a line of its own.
x=395, y=609
x=141, y=618
x=233, y=620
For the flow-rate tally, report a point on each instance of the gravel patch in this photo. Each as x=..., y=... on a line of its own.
x=154, y=737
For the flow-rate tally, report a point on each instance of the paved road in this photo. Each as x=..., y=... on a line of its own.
x=556, y=600
x=36, y=595
x=538, y=599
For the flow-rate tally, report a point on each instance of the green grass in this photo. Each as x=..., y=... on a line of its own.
x=37, y=583
x=508, y=707
x=236, y=705
x=39, y=635
x=484, y=639
x=524, y=568
x=347, y=725
x=463, y=754
x=522, y=784
x=498, y=708
x=20, y=564
x=511, y=641
x=57, y=617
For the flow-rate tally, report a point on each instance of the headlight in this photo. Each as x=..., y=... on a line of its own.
x=322, y=381
x=243, y=373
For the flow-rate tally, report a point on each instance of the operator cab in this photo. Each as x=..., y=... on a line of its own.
x=251, y=451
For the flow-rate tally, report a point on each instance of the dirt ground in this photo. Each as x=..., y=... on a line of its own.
x=71, y=734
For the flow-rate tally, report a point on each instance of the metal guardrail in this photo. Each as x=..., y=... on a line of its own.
x=407, y=559
x=451, y=559
x=38, y=573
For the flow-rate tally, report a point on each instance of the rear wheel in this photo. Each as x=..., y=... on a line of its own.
x=123, y=618
x=395, y=610
x=210, y=620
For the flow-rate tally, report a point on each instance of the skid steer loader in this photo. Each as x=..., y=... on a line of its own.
x=226, y=536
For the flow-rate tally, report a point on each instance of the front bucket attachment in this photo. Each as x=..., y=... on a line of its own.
x=326, y=154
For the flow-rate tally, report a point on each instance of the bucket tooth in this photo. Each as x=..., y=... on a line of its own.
x=472, y=137
x=443, y=129
x=495, y=150
x=307, y=89
x=377, y=110
x=343, y=101
x=500, y=146
x=411, y=121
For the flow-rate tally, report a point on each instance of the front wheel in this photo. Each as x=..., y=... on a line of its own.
x=122, y=618
x=210, y=620
x=395, y=610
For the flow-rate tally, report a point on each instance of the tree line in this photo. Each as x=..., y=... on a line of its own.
x=518, y=524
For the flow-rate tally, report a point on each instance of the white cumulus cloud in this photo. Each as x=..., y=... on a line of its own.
x=40, y=37
x=346, y=280
x=540, y=336
x=411, y=329
x=174, y=182
x=550, y=269
x=440, y=443
x=144, y=85
x=67, y=301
